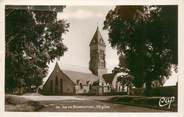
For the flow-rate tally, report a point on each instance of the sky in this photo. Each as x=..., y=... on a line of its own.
x=83, y=22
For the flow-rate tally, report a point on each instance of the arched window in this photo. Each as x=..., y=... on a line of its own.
x=87, y=82
x=56, y=81
x=102, y=54
x=81, y=86
x=51, y=86
x=90, y=87
x=77, y=82
x=56, y=84
x=61, y=85
x=108, y=88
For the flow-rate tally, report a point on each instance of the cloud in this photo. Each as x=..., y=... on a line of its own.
x=80, y=14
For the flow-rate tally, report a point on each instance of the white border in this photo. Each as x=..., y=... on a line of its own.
x=180, y=4
x=91, y=2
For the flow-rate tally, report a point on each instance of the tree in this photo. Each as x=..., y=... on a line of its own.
x=33, y=38
x=123, y=73
x=147, y=35
x=123, y=76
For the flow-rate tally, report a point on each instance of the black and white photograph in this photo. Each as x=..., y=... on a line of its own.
x=91, y=58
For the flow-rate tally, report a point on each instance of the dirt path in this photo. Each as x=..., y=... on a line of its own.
x=84, y=104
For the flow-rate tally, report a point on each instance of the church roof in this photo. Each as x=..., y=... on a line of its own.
x=81, y=76
x=73, y=76
x=108, y=78
x=97, y=38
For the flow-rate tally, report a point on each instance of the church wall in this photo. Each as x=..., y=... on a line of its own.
x=101, y=48
x=100, y=90
x=67, y=86
x=81, y=90
x=106, y=89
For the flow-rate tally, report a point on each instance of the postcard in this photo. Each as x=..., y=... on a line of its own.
x=96, y=59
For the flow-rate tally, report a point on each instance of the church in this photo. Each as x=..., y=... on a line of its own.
x=66, y=82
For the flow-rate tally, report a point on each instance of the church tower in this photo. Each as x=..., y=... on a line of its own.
x=97, y=63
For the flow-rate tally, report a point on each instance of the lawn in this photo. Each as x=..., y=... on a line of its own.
x=17, y=103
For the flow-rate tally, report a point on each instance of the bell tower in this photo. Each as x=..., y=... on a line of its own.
x=97, y=63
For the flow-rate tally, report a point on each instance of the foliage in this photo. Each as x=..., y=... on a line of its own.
x=33, y=39
x=124, y=77
x=147, y=35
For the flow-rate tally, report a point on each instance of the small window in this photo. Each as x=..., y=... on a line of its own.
x=94, y=41
x=102, y=55
x=61, y=84
x=108, y=87
x=56, y=81
x=51, y=85
x=81, y=85
x=77, y=82
x=102, y=64
x=90, y=87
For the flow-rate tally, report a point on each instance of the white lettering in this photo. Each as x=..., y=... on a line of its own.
x=166, y=101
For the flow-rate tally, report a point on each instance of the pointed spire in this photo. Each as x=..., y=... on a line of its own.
x=97, y=27
x=57, y=63
x=57, y=58
x=57, y=67
x=97, y=38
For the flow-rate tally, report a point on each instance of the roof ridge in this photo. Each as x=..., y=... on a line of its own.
x=77, y=71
